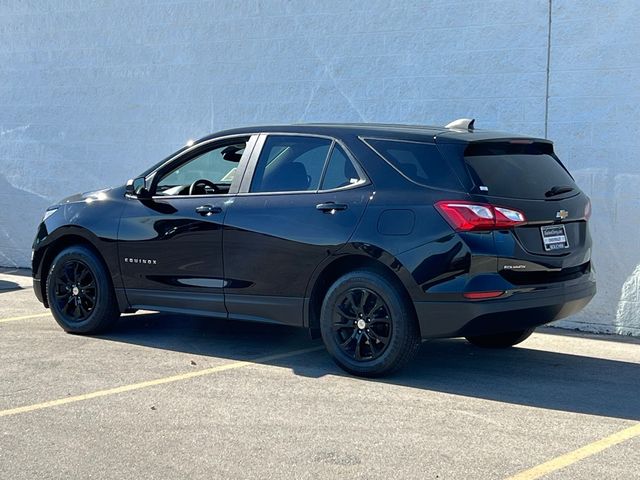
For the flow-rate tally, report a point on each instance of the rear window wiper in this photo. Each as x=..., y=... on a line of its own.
x=557, y=190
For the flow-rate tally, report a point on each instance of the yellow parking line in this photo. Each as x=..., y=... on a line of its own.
x=48, y=314
x=24, y=317
x=579, y=454
x=152, y=383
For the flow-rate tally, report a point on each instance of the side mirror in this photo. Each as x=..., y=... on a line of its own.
x=137, y=187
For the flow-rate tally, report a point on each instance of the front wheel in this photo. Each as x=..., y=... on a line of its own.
x=367, y=324
x=500, y=340
x=80, y=293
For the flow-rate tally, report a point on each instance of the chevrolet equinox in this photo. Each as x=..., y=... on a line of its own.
x=373, y=237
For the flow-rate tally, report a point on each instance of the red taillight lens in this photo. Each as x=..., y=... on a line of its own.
x=468, y=216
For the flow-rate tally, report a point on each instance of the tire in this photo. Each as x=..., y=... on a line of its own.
x=500, y=340
x=80, y=292
x=368, y=325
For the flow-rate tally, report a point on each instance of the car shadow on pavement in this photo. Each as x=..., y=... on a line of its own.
x=522, y=376
x=14, y=279
x=8, y=286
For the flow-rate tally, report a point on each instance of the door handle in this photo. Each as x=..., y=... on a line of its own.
x=331, y=207
x=206, y=210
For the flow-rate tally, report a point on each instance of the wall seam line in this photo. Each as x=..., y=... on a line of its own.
x=546, y=95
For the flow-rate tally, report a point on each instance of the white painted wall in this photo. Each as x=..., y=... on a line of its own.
x=594, y=108
x=93, y=92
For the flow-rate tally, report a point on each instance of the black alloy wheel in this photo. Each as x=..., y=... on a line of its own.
x=368, y=324
x=75, y=290
x=80, y=291
x=362, y=324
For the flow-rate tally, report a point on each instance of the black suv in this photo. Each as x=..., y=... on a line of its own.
x=372, y=236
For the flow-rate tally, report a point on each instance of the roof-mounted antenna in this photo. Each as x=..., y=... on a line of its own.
x=462, y=124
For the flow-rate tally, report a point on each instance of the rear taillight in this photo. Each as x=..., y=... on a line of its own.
x=468, y=216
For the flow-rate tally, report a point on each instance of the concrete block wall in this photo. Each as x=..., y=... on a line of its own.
x=594, y=101
x=91, y=93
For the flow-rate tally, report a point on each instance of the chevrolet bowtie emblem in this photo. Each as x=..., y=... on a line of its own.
x=562, y=214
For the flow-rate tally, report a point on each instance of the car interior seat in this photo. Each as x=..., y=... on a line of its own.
x=291, y=176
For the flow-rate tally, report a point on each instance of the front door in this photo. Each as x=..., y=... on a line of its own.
x=170, y=245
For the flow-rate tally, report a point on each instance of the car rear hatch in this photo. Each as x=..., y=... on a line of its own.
x=525, y=175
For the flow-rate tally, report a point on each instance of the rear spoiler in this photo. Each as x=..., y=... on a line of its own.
x=463, y=130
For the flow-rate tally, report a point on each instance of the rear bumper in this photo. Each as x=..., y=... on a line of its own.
x=521, y=310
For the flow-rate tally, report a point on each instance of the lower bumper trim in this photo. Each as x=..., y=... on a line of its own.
x=517, y=312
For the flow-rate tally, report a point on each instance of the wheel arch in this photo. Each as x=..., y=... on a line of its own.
x=75, y=236
x=325, y=277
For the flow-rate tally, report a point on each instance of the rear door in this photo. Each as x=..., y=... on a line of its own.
x=299, y=202
x=526, y=175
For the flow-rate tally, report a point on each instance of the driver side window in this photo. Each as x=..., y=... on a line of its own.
x=207, y=173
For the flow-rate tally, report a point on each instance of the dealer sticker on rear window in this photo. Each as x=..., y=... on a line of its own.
x=554, y=237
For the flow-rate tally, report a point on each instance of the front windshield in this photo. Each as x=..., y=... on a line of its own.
x=161, y=162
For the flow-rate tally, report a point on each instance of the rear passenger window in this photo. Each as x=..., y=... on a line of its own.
x=340, y=171
x=290, y=164
x=420, y=162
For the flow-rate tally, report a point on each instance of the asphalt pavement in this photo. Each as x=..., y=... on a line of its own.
x=171, y=396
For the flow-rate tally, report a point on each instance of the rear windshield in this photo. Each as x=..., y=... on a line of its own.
x=420, y=162
x=504, y=169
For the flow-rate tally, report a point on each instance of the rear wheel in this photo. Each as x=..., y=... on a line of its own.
x=80, y=293
x=501, y=340
x=367, y=325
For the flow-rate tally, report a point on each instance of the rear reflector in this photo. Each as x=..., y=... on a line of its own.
x=467, y=216
x=482, y=295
